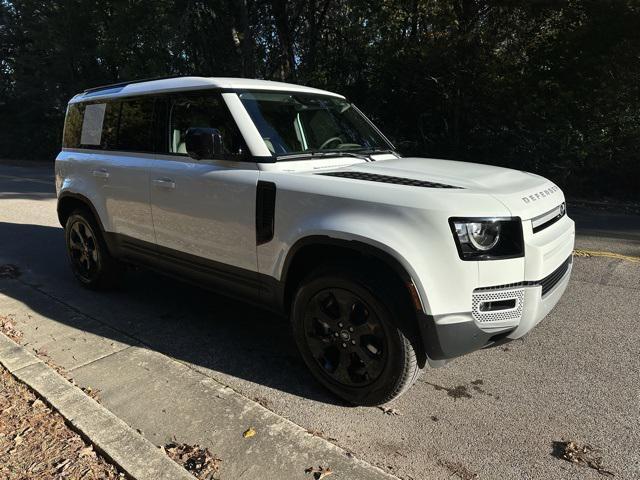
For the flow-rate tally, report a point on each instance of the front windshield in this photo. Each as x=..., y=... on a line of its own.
x=301, y=123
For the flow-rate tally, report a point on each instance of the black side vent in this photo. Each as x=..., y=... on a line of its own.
x=374, y=177
x=265, y=211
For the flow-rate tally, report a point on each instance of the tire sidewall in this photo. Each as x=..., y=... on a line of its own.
x=391, y=375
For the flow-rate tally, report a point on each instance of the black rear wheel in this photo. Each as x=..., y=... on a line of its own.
x=89, y=257
x=346, y=327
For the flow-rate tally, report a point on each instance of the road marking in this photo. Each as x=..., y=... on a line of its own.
x=597, y=253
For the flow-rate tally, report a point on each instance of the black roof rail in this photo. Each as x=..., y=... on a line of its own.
x=130, y=82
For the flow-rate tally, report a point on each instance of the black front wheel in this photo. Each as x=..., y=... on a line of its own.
x=346, y=328
x=90, y=260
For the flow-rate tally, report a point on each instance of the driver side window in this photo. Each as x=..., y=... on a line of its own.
x=210, y=111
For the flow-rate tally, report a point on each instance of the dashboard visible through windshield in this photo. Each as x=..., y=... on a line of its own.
x=297, y=124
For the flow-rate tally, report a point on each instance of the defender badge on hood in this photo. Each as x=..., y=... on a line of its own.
x=542, y=194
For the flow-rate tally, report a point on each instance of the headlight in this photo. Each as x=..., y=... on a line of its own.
x=488, y=238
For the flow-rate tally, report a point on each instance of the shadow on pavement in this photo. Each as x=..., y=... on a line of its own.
x=177, y=319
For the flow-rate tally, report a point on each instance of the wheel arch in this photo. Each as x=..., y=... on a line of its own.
x=69, y=201
x=314, y=251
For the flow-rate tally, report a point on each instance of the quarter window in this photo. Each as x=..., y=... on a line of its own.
x=73, y=125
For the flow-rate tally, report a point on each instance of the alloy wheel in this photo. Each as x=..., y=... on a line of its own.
x=83, y=249
x=346, y=337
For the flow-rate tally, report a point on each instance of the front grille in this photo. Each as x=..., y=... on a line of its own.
x=548, y=218
x=374, y=177
x=553, y=278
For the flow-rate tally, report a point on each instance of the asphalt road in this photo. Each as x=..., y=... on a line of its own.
x=496, y=413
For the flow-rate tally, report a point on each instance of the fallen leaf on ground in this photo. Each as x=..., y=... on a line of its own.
x=389, y=411
x=87, y=452
x=250, y=432
x=584, y=455
x=319, y=472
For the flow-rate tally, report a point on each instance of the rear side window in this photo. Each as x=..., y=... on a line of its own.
x=120, y=125
x=136, y=118
x=100, y=125
x=109, y=140
x=91, y=133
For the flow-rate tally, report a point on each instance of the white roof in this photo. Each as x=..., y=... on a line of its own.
x=194, y=83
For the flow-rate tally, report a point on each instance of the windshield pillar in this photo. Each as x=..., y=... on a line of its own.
x=248, y=130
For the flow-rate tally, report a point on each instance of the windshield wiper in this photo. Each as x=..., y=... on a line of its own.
x=321, y=154
x=378, y=151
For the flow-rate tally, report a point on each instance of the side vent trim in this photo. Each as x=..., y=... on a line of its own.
x=265, y=211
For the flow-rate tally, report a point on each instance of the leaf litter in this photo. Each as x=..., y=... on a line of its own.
x=389, y=411
x=8, y=327
x=319, y=472
x=195, y=459
x=584, y=455
x=35, y=442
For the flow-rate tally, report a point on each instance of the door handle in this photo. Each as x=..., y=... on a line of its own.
x=164, y=183
x=101, y=173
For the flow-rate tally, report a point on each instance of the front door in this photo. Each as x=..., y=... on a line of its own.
x=204, y=210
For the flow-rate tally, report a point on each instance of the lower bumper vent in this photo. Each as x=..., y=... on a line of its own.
x=498, y=305
x=554, y=277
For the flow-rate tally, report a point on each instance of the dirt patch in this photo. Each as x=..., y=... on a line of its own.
x=263, y=401
x=584, y=455
x=462, y=391
x=459, y=391
x=476, y=385
x=195, y=459
x=35, y=442
x=459, y=470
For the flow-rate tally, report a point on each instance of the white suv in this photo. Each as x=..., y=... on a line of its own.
x=290, y=198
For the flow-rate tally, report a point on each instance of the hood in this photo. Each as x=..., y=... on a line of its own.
x=525, y=194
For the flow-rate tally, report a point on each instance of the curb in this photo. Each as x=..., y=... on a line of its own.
x=113, y=438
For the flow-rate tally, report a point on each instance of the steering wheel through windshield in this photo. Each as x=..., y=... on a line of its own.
x=330, y=141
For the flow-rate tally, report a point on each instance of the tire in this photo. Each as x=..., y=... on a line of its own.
x=91, y=263
x=348, y=327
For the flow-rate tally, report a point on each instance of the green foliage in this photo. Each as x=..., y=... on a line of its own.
x=547, y=86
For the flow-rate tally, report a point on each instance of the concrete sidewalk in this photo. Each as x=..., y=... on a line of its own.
x=166, y=399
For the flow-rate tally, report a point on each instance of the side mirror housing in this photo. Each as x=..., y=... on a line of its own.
x=203, y=143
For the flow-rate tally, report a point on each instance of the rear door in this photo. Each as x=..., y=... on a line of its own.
x=115, y=151
x=204, y=210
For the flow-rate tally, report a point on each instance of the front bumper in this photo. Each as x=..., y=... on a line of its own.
x=452, y=335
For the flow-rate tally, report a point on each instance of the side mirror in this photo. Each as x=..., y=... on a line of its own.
x=203, y=143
